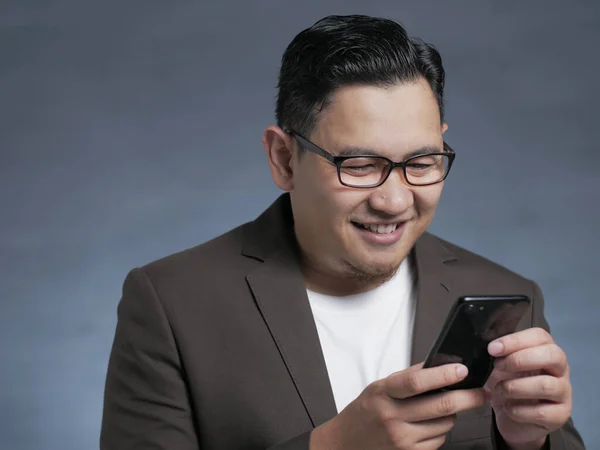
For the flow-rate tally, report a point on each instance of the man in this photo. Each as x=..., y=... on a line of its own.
x=307, y=328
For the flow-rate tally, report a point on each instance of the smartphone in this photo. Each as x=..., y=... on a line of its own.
x=473, y=322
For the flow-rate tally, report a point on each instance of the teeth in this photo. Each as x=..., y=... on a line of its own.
x=381, y=229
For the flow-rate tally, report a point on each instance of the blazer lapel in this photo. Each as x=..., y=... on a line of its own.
x=435, y=294
x=279, y=291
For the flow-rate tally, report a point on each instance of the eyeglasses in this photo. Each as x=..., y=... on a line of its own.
x=372, y=171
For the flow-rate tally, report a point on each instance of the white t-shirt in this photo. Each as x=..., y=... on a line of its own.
x=365, y=337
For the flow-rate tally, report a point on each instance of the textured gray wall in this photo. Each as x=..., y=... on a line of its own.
x=118, y=121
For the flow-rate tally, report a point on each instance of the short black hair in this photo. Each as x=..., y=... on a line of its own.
x=339, y=51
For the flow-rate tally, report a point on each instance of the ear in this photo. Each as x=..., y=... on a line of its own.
x=279, y=147
x=444, y=127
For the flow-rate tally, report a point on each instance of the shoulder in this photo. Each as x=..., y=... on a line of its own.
x=473, y=274
x=213, y=262
x=474, y=271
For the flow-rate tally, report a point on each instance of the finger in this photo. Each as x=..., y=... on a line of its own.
x=518, y=341
x=496, y=377
x=414, y=381
x=431, y=444
x=542, y=387
x=444, y=404
x=429, y=429
x=546, y=415
x=549, y=358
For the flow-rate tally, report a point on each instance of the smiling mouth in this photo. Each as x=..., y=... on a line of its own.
x=379, y=229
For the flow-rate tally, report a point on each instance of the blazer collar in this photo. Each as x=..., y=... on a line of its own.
x=272, y=231
x=435, y=292
x=280, y=294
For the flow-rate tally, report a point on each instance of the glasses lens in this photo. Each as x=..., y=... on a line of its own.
x=427, y=169
x=363, y=171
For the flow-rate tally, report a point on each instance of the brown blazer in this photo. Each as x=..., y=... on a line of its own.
x=216, y=347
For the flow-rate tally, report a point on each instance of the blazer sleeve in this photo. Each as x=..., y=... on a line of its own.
x=146, y=405
x=567, y=437
x=300, y=442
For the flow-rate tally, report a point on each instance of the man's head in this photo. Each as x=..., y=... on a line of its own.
x=356, y=85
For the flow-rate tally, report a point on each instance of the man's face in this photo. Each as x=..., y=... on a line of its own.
x=329, y=217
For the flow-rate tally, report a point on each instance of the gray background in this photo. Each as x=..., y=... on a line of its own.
x=130, y=130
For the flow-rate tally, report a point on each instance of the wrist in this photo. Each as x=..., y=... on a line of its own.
x=323, y=437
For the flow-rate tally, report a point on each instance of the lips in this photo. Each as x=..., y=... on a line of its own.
x=378, y=228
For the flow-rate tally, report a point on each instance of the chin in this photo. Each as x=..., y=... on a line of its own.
x=369, y=269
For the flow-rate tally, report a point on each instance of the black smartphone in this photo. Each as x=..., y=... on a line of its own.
x=473, y=322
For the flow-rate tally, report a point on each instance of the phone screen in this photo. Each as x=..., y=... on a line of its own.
x=471, y=325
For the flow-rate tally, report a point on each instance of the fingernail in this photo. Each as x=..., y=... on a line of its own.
x=495, y=348
x=461, y=371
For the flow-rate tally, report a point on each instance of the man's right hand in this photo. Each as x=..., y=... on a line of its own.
x=391, y=414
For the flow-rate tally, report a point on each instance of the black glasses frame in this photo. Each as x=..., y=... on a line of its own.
x=339, y=160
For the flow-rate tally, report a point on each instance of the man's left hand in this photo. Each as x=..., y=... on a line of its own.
x=529, y=388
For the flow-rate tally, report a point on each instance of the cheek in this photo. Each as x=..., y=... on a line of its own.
x=334, y=202
x=323, y=207
x=427, y=200
x=310, y=187
x=335, y=210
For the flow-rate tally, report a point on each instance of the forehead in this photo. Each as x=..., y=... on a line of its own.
x=402, y=116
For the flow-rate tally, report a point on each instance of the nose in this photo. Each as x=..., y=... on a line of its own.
x=394, y=196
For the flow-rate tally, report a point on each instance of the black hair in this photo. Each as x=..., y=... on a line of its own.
x=339, y=51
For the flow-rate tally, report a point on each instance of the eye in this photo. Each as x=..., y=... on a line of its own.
x=418, y=166
x=425, y=163
x=361, y=166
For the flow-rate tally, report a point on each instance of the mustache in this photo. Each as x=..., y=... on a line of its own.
x=371, y=215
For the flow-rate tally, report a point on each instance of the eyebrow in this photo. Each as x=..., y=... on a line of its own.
x=361, y=151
